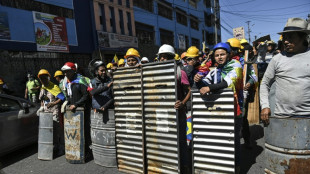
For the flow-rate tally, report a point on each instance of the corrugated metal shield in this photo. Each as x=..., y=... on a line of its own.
x=161, y=119
x=213, y=132
x=45, y=145
x=128, y=120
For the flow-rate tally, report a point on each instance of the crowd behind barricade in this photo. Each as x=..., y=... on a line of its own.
x=207, y=70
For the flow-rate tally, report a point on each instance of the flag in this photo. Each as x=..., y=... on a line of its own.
x=115, y=60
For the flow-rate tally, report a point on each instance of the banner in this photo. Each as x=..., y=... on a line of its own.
x=239, y=33
x=50, y=32
x=181, y=39
x=113, y=40
x=4, y=26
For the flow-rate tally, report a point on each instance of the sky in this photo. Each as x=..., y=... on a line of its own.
x=266, y=16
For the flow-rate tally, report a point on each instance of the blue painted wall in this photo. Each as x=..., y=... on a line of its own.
x=146, y=17
x=79, y=29
x=59, y=3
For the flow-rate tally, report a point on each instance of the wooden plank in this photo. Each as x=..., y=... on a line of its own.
x=253, y=107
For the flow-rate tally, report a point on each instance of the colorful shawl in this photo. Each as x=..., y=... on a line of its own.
x=78, y=80
x=55, y=90
x=232, y=73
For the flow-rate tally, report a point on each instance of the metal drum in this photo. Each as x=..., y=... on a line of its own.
x=103, y=138
x=74, y=136
x=287, y=145
x=45, y=142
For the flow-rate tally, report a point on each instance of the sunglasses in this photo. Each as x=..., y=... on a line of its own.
x=189, y=59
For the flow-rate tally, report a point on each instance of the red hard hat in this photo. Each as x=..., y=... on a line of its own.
x=68, y=66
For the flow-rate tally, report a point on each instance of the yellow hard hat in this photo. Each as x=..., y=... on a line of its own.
x=177, y=57
x=58, y=73
x=109, y=65
x=233, y=42
x=42, y=72
x=132, y=52
x=192, y=52
x=1, y=81
x=243, y=41
x=121, y=61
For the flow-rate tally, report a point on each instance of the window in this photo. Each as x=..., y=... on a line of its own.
x=121, y=21
x=128, y=3
x=166, y=37
x=129, y=24
x=32, y=5
x=164, y=11
x=203, y=35
x=119, y=2
x=145, y=33
x=194, y=23
x=207, y=3
x=210, y=38
x=102, y=18
x=181, y=17
x=112, y=19
x=8, y=105
x=196, y=42
x=144, y=4
x=186, y=41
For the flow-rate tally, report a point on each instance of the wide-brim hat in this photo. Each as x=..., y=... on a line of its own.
x=296, y=25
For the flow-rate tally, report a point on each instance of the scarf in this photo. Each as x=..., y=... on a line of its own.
x=78, y=80
x=54, y=90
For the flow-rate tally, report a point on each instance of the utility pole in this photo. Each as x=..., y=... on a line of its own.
x=249, y=30
x=215, y=21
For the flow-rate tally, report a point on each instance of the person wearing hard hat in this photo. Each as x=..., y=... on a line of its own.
x=166, y=52
x=249, y=87
x=102, y=98
x=121, y=63
x=59, y=76
x=51, y=98
x=183, y=59
x=144, y=60
x=78, y=88
x=228, y=73
x=32, y=88
x=132, y=57
x=191, y=69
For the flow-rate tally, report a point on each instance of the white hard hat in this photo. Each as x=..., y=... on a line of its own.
x=144, y=59
x=166, y=49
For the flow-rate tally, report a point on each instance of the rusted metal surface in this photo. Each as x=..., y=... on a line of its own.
x=213, y=148
x=287, y=147
x=128, y=120
x=74, y=136
x=161, y=123
x=45, y=143
x=103, y=138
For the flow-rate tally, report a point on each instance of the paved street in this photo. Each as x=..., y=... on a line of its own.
x=25, y=161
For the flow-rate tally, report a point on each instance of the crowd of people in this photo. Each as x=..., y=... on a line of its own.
x=208, y=70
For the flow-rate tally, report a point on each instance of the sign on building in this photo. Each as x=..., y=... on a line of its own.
x=50, y=32
x=239, y=33
x=113, y=40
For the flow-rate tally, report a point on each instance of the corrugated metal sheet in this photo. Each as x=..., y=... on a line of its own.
x=45, y=144
x=161, y=123
x=128, y=120
x=213, y=132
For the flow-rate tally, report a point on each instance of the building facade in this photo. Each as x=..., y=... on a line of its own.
x=114, y=25
x=180, y=23
x=36, y=34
